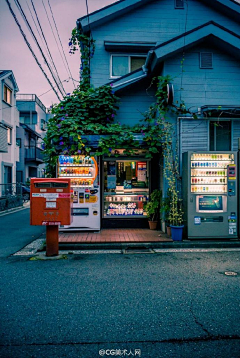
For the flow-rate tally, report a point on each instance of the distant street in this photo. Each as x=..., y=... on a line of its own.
x=105, y=305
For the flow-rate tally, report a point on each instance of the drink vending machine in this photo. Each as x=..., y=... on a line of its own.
x=85, y=190
x=209, y=188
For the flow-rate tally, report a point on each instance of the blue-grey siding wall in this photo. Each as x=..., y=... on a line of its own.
x=157, y=21
x=217, y=86
x=134, y=102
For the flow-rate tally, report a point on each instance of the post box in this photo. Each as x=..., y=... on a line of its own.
x=50, y=201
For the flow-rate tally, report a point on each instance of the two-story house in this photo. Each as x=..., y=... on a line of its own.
x=9, y=120
x=33, y=117
x=197, y=43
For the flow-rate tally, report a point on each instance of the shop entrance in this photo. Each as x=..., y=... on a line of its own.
x=125, y=192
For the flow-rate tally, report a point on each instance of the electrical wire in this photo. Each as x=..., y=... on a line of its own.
x=52, y=30
x=69, y=78
x=30, y=48
x=38, y=45
x=44, y=38
x=61, y=44
x=38, y=31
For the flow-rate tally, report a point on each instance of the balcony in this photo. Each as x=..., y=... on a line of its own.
x=31, y=98
x=34, y=154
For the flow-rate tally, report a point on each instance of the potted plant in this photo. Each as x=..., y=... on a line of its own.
x=176, y=217
x=165, y=210
x=153, y=208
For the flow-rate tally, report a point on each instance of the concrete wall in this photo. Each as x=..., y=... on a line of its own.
x=9, y=115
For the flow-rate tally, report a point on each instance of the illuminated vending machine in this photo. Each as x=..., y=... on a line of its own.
x=85, y=188
x=209, y=188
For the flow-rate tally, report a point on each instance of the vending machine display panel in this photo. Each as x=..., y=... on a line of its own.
x=211, y=203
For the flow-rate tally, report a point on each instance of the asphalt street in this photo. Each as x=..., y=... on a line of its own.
x=157, y=305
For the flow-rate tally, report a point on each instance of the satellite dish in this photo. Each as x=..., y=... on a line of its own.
x=170, y=93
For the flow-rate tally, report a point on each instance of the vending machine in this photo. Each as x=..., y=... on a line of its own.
x=85, y=190
x=209, y=188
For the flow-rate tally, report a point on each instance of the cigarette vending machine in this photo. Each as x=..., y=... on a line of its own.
x=85, y=190
x=209, y=188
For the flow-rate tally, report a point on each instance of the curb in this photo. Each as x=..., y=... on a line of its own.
x=150, y=245
x=14, y=210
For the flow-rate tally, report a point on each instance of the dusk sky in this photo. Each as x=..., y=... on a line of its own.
x=16, y=56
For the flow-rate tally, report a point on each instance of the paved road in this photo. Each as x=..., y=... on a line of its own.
x=16, y=232
x=91, y=306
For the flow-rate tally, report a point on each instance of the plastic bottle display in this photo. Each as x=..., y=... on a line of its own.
x=77, y=167
x=209, y=172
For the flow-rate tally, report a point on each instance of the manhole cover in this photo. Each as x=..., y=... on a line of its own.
x=230, y=273
x=138, y=250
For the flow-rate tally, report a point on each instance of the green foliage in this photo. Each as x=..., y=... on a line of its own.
x=165, y=207
x=92, y=111
x=154, y=205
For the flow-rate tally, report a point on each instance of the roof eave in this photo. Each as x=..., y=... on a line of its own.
x=108, y=13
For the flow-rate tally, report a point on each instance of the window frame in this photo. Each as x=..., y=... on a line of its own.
x=129, y=62
x=178, y=7
x=43, y=124
x=215, y=134
x=19, y=142
x=9, y=136
x=8, y=89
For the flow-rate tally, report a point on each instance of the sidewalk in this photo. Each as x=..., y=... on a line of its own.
x=123, y=238
x=14, y=210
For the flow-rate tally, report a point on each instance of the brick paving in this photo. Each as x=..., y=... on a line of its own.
x=114, y=235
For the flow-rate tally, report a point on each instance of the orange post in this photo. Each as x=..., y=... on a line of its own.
x=52, y=240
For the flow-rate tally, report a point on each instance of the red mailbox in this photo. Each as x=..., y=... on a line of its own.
x=51, y=206
x=50, y=201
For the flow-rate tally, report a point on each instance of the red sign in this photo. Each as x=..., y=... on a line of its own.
x=64, y=195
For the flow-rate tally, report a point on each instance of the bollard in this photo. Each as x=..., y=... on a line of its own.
x=51, y=240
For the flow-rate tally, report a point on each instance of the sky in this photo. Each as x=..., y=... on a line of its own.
x=16, y=56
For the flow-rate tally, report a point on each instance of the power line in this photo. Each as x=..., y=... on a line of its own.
x=39, y=47
x=46, y=44
x=1, y=109
x=52, y=30
x=38, y=30
x=61, y=43
x=30, y=48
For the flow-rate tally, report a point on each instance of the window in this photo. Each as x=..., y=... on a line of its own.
x=123, y=64
x=9, y=135
x=179, y=4
x=28, y=118
x=43, y=125
x=220, y=135
x=18, y=142
x=7, y=97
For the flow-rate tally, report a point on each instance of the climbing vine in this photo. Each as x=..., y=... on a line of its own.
x=92, y=111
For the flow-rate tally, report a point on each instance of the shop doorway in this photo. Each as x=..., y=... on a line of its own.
x=126, y=187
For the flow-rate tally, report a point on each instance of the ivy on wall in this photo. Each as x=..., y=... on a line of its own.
x=92, y=111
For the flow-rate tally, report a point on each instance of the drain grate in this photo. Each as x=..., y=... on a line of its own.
x=138, y=250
